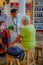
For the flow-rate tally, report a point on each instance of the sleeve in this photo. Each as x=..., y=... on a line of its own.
x=22, y=32
x=9, y=21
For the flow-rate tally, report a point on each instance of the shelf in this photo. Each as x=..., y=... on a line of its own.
x=38, y=5
x=38, y=17
x=39, y=29
x=38, y=23
x=38, y=11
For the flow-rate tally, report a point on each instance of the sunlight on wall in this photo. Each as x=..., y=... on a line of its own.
x=1, y=2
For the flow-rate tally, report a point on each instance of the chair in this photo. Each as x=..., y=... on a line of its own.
x=17, y=61
x=38, y=52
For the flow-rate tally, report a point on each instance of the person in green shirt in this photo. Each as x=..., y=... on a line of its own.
x=27, y=35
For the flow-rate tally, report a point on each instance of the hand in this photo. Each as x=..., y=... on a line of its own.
x=12, y=44
x=19, y=41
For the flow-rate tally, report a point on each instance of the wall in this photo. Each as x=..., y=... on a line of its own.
x=13, y=0
x=18, y=0
x=1, y=2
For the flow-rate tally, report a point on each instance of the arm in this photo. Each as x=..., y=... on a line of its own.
x=17, y=39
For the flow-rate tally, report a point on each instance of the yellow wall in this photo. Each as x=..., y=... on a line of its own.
x=1, y=2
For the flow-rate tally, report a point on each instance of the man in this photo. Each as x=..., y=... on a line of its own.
x=27, y=35
x=4, y=33
x=3, y=17
x=16, y=22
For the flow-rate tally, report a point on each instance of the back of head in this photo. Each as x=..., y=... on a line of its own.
x=27, y=18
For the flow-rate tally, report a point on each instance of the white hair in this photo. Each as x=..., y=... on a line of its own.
x=27, y=18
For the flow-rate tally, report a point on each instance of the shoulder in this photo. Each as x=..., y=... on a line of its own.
x=4, y=14
x=31, y=26
x=19, y=15
x=24, y=28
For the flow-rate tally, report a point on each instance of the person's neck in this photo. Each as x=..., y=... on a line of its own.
x=13, y=16
x=25, y=24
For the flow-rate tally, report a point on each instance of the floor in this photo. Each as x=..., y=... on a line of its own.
x=3, y=61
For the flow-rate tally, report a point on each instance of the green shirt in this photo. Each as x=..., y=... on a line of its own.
x=29, y=36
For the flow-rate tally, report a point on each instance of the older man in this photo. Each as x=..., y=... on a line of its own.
x=27, y=35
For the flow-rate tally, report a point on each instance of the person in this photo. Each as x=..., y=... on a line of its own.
x=16, y=22
x=27, y=35
x=3, y=17
x=4, y=33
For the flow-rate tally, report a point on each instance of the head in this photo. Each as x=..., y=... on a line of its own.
x=25, y=20
x=14, y=13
